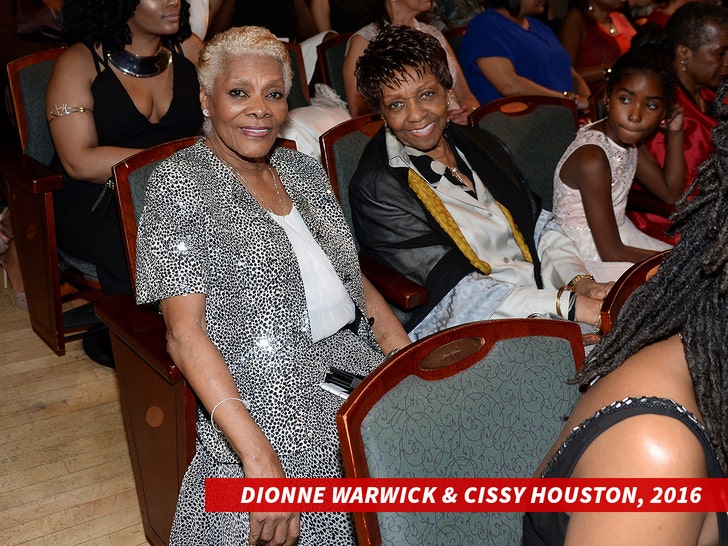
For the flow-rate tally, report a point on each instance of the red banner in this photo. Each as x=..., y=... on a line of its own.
x=466, y=495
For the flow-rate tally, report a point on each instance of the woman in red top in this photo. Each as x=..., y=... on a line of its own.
x=596, y=34
x=698, y=32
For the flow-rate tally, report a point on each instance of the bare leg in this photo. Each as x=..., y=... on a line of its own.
x=10, y=263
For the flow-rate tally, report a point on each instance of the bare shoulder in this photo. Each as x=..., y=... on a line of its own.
x=573, y=19
x=584, y=164
x=74, y=67
x=644, y=446
x=191, y=48
x=357, y=45
x=76, y=58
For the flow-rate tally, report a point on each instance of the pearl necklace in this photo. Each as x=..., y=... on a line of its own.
x=257, y=197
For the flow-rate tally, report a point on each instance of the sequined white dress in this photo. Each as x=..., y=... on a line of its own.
x=569, y=209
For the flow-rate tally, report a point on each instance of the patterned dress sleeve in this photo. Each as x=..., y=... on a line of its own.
x=172, y=246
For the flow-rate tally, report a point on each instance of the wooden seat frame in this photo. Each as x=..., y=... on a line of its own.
x=29, y=187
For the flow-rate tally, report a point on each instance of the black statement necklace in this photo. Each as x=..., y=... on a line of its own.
x=141, y=67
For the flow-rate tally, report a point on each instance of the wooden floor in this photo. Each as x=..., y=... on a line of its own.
x=65, y=471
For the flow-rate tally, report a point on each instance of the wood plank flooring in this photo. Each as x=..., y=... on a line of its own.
x=65, y=471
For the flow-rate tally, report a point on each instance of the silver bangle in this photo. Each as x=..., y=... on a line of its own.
x=220, y=403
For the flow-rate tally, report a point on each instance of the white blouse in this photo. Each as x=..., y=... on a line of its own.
x=330, y=307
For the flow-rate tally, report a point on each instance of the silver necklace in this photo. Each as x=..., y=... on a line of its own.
x=250, y=189
x=141, y=67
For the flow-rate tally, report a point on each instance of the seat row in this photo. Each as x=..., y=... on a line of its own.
x=159, y=408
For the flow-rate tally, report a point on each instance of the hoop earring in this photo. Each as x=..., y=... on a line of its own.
x=206, y=113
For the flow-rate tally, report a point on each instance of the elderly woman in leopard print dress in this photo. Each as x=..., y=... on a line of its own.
x=247, y=249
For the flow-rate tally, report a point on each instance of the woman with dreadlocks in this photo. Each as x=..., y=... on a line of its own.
x=656, y=406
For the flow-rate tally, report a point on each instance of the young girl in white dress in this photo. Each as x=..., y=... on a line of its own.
x=593, y=178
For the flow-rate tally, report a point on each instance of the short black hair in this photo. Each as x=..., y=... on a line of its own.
x=393, y=52
x=687, y=25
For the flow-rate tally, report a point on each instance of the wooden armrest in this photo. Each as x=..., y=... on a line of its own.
x=640, y=200
x=395, y=287
x=24, y=173
x=142, y=328
x=625, y=285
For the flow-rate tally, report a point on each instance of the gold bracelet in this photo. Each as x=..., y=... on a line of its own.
x=572, y=282
x=558, y=300
x=598, y=323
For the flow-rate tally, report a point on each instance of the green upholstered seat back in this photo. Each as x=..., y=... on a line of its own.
x=537, y=141
x=298, y=97
x=333, y=59
x=138, y=179
x=497, y=418
x=347, y=152
x=33, y=85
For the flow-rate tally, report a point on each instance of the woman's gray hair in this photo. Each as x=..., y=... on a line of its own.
x=236, y=42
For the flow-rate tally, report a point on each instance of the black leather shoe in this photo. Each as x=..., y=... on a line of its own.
x=97, y=345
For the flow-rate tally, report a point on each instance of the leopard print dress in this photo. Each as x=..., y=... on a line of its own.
x=202, y=232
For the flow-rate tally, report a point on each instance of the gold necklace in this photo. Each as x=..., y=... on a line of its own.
x=609, y=25
x=457, y=174
x=257, y=197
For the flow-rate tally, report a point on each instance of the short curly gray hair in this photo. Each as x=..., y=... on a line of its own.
x=236, y=42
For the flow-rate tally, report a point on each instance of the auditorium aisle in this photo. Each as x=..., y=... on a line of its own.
x=65, y=471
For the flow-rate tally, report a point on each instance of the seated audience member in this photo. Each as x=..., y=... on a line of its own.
x=458, y=13
x=595, y=35
x=507, y=51
x=265, y=298
x=655, y=407
x=287, y=19
x=461, y=100
x=446, y=206
x=697, y=36
x=203, y=14
x=342, y=16
x=126, y=84
x=594, y=176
